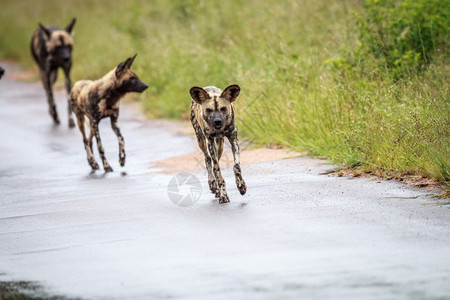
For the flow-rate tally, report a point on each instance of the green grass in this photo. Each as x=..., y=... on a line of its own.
x=297, y=91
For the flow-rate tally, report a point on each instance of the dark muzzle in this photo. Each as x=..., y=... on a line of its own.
x=141, y=86
x=217, y=121
x=63, y=55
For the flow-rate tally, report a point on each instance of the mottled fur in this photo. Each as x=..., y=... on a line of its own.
x=52, y=49
x=100, y=99
x=212, y=116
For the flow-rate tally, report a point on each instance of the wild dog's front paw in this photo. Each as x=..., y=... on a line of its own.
x=213, y=187
x=224, y=199
x=56, y=120
x=242, y=187
x=54, y=115
x=216, y=192
x=122, y=159
x=240, y=183
x=108, y=169
x=93, y=164
x=71, y=123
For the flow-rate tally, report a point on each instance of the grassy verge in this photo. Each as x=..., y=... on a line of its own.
x=27, y=290
x=296, y=91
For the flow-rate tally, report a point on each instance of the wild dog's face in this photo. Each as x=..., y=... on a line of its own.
x=127, y=80
x=59, y=43
x=216, y=105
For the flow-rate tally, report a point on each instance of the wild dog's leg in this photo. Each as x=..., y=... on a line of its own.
x=47, y=79
x=212, y=182
x=116, y=129
x=242, y=187
x=101, y=151
x=219, y=142
x=90, y=155
x=213, y=153
x=68, y=87
x=53, y=76
x=202, y=144
x=91, y=136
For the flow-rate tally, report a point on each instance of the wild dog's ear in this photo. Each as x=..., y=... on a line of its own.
x=231, y=92
x=69, y=27
x=198, y=94
x=120, y=68
x=125, y=65
x=46, y=32
x=130, y=61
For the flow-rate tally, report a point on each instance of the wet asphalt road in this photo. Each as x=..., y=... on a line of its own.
x=296, y=234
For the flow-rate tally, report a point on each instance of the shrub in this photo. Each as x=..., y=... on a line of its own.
x=405, y=34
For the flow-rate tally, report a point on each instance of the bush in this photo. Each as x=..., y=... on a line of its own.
x=405, y=34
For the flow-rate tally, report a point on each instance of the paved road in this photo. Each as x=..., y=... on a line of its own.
x=296, y=234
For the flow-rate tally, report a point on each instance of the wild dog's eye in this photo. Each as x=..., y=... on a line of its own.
x=209, y=111
x=223, y=109
x=133, y=78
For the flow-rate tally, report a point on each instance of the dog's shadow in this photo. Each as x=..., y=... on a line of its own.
x=228, y=206
x=97, y=175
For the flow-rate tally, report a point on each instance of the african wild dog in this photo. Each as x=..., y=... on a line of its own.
x=212, y=116
x=100, y=99
x=2, y=71
x=52, y=48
